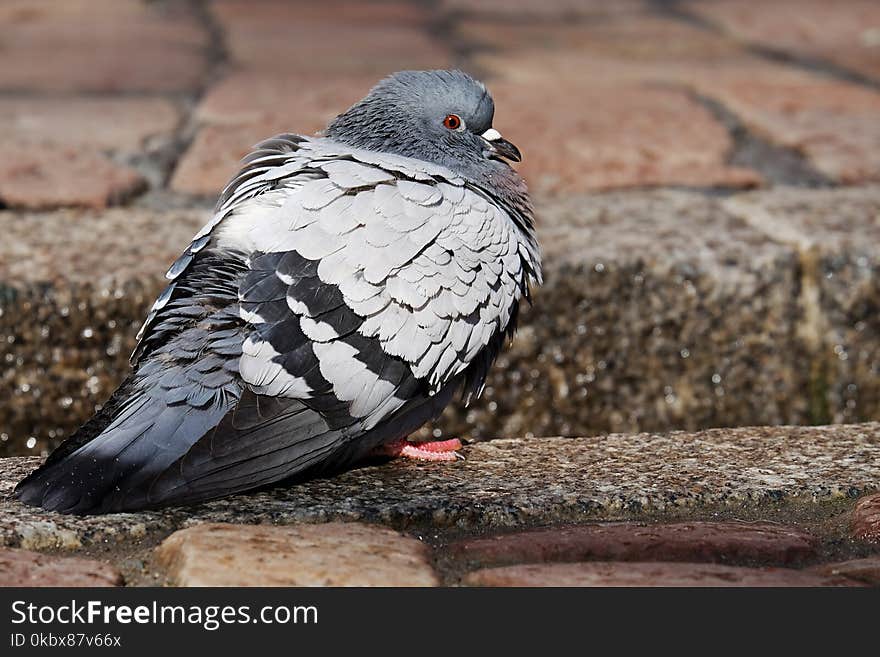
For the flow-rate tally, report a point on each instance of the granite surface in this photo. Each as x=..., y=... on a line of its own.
x=517, y=483
x=661, y=310
x=74, y=288
x=838, y=240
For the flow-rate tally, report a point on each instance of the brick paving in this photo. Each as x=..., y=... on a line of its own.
x=687, y=541
x=779, y=508
x=26, y=568
x=865, y=570
x=102, y=46
x=598, y=95
x=846, y=34
x=604, y=573
x=149, y=106
x=332, y=554
x=866, y=519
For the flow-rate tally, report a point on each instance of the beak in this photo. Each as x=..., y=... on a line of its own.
x=500, y=146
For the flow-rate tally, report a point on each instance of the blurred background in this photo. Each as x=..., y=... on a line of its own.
x=704, y=173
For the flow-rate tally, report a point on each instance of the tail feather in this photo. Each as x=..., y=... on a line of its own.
x=165, y=438
x=144, y=438
x=282, y=439
x=152, y=453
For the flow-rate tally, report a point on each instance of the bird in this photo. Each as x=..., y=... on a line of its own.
x=347, y=287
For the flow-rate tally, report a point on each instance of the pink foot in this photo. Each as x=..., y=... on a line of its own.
x=440, y=450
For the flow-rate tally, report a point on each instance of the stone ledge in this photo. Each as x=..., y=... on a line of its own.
x=837, y=238
x=74, y=288
x=518, y=483
x=671, y=310
x=662, y=310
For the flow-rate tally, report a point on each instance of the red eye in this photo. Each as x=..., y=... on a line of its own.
x=452, y=121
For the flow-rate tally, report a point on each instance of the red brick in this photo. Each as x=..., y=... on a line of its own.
x=309, y=100
x=271, y=14
x=582, y=138
x=54, y=151
x=331, y=554
x=865, y=570
x=639, y=48
x=583, y=103
x=333, y=37
x=598, y=138
x=119, y=124
x=834, y=124
x=545, y=8
x=246, y=108
x=845, y=32
x=101, y=45
x=47, y=176
x=831, y=122
x=866, y=519
x=215, y=155
x=25, y=568
x=633, y=137
x=683, y=541
x=648, y=574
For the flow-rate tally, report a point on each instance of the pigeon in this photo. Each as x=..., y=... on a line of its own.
x=347, y=287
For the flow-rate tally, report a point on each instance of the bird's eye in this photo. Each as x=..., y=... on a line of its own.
x=453, y=122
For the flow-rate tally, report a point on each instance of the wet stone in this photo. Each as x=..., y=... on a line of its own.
x=866, y=519
x=25, y=568
x=69, y=311
x=655, y=309
x=519, y=483
x=648, y=574
x=767, y=543
x=332, y=554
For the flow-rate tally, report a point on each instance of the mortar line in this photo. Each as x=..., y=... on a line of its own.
x=182, y=137
x=777, y=164
x=811, y=64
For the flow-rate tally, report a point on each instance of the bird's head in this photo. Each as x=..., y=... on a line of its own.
x=443, y=117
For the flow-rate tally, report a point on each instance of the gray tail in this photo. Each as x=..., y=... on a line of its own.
x=152, y=447
x=135, y=437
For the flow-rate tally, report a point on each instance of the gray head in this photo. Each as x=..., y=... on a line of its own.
x=444, y=117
